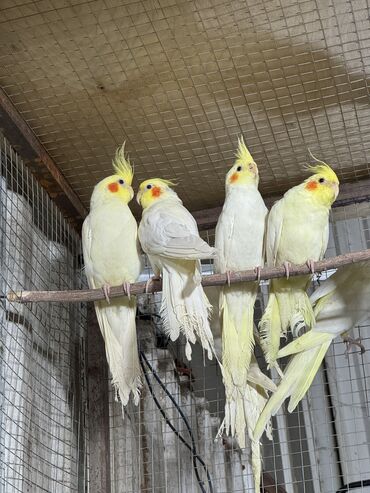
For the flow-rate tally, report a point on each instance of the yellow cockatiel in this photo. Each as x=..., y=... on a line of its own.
x=112, y=257
x=340, y=303
x=297, y=232
x=240, y=245
x=169, y=235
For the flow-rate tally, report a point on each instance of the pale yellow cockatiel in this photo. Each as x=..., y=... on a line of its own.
x=240, y=246
x=340, y=303
x=169, y=235
x=112, y=257
x=298, y=233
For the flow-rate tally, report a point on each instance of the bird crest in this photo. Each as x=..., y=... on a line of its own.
x=122, y=166
x=158, y=181
x=243, y=156
x=322, y=169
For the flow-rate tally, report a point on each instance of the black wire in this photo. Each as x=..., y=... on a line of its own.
x=191, y=447
x=354, y=485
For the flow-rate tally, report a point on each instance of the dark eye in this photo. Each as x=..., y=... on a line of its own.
x=239, y=168
x=121, y=182
x=148, y=187
x=321, y=180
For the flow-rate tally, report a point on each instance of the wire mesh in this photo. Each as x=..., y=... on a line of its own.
x=323, y=446
x=43, y=442
x=179, y=80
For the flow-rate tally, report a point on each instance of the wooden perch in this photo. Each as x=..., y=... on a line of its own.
x=212, y=280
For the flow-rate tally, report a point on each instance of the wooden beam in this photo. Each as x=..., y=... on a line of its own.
x=350, y=193
x=42, y=166
x=98, y=402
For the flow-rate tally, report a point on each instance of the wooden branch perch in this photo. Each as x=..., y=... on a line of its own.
x=212, y=280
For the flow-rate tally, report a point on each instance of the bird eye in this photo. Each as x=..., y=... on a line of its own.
x=321, y=180
x=121, y=182
x=148, y=187
x=239, y=168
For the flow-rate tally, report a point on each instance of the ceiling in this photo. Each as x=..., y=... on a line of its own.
x=179, y=80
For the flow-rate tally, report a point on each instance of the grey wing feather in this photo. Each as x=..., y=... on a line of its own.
x=169, y=237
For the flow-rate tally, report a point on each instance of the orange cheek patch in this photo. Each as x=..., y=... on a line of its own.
x=311, y=185
x=156, y=192
x=234, y=177
x=113, y=187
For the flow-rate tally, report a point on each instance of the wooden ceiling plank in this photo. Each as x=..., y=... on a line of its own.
x=42, y=166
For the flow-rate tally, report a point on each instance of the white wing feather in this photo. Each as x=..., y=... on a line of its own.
x=172, y=234
x=273, y=235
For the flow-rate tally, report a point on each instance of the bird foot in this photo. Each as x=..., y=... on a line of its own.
x=228, y=277
x=311, y=265
x=286, y=266
x=150, y=281
x=127, y=289
x=257, y=271
x=106, y=290
x=350, y=342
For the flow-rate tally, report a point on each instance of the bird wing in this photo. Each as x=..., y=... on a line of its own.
x=86, y=248
x=174, y=235
x=273, y=235
x=223, y=235
x=325, y=241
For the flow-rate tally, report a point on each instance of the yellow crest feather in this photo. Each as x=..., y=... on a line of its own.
x=323, y=169
x=243, y=156
x=159, y=181
x=122, y=166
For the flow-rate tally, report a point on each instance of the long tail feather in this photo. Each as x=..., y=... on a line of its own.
x=118, y=327
x=243, y=380
x=317, y=355
x=270, y=330
x=288, y=306
x=298, y=376
x=306, y=341
x=185, y=308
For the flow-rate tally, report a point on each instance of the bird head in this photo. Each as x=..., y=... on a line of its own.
x=153, y=190
x=323, y=184
x=244, y=171
x=117, y=186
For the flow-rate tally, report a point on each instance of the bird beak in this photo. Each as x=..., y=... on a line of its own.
x=138, y=197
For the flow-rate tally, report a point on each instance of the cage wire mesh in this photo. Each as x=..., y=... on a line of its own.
x=43, y=400
x=321, y=447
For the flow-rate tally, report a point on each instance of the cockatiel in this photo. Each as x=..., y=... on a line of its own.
x=340, y=303
x=297, y=232
x=169, y=235
x=239, y=242
x=112, y=257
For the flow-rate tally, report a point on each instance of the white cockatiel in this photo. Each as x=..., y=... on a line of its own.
x=169, y=235
x=240, y=245
x=298, y=233
x=340, y=303
x=112, y=257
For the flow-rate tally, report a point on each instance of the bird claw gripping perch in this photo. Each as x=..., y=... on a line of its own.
x=150, y=281
x=257, y=271
x=350, y=342
x=127, y=289
x=106, y=291
x=311, y=265
x=286, y=266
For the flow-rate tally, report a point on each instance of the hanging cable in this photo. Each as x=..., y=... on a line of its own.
x=192, y=447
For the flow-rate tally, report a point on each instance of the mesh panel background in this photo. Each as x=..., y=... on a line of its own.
x=181, y=79
x=42, y=345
